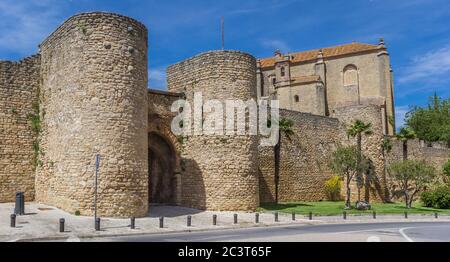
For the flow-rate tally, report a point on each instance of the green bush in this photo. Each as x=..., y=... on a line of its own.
x=333, y=188
x=438, y=198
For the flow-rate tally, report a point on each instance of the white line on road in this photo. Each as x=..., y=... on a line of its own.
x=402, y=232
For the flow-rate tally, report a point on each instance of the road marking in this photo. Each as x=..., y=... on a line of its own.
x=402, y=232
x=373, y=239
x=73, y=239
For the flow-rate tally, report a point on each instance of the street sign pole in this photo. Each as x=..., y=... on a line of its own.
x=97, y=165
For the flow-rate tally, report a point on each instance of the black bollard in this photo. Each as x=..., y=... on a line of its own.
x=189, y=221
x=133, y=223
x=293, y=216
x=374, y=215
x=276, y=217
x=97, y=224
x=61, y=225
x=22, y=204
x=13, y=220
x=161, y=222
x=235, y=218
x=18, y=205
x=257, y=218
x=214, y=220
x=310, y=215
x=406, y=215
x=344, y=214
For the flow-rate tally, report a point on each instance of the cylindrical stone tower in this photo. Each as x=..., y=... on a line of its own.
x=94, y=101
x=219, y=172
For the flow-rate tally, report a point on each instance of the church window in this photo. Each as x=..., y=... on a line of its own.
x=297, y=98
x=274, y=81
x=283, y=72
x=350, y=75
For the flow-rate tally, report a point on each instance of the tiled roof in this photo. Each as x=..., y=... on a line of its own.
x=301, y=80
x=327, y=52
x=305, y=79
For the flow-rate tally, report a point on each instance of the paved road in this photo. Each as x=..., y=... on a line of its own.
x=361, y=232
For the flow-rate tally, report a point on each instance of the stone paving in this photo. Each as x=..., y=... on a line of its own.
x=41, y=222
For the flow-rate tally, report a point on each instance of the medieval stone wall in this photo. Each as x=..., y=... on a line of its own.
x=219, y=172
x=19, y=87
x=303, y=160
x=94, y=100
x=435, y=154
x=371, y=144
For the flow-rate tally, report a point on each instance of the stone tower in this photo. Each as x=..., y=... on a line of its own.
x=93, y=99
x=219, y=172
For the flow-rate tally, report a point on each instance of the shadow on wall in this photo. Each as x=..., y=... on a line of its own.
x=193, y=193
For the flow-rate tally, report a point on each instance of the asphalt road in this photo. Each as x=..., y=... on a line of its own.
x=361, y=232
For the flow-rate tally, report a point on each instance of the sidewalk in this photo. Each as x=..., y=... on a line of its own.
x=42, y=222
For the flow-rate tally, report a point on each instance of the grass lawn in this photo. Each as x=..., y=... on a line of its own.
x=328, y=208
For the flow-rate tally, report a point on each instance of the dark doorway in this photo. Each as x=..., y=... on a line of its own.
x=161, y=161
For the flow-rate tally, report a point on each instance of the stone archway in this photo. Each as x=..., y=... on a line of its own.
x=162, y=167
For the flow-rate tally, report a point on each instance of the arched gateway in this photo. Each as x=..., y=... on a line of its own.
x=162, y=167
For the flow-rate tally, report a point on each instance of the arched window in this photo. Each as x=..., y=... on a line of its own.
x=350, y=75
x=274, y=81
x=283, y=72
x=296, y=98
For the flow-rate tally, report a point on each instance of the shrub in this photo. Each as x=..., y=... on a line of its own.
x=333, y=188
x=438, y=198
x=77, y=213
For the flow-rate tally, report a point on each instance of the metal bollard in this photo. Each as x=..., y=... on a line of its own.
x=133, y=223
x=97, y=224
x=189, y=221
x=374, y=215
x=22, y=204
x=310, y=215
x=161, y=222
x=61, y=225
x=13, y=220
x=18, y=205
x=235, y=218
x=344, y=214
x=276, y=217
x=293, y=216
x=436, y=215
x=406, y=215
x=214, y=220
x=257, y=218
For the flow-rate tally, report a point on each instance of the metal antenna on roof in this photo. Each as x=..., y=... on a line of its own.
x=222, y=27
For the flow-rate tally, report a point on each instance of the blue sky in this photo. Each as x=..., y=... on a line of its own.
x=417, y=32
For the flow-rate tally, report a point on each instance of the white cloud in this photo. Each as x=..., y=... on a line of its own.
x=276, y=44
x=400, y=112
x=24, y=24
x=431, y=66
x=157, y=78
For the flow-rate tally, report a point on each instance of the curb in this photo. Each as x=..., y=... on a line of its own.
x=280, y=224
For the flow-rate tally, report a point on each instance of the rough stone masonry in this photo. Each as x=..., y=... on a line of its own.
x=86, y=93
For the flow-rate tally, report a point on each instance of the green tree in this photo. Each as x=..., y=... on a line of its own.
x=284, y=129
x=431, y=123
x=358, y=129
x=412, y=176
x=404, y=135
x=446, y=168
x=386, y=147
x=344, y=163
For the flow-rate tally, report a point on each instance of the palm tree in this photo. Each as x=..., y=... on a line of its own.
x=357, y=129
x=404, y=135
x=386, y=147
x=284, y=128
